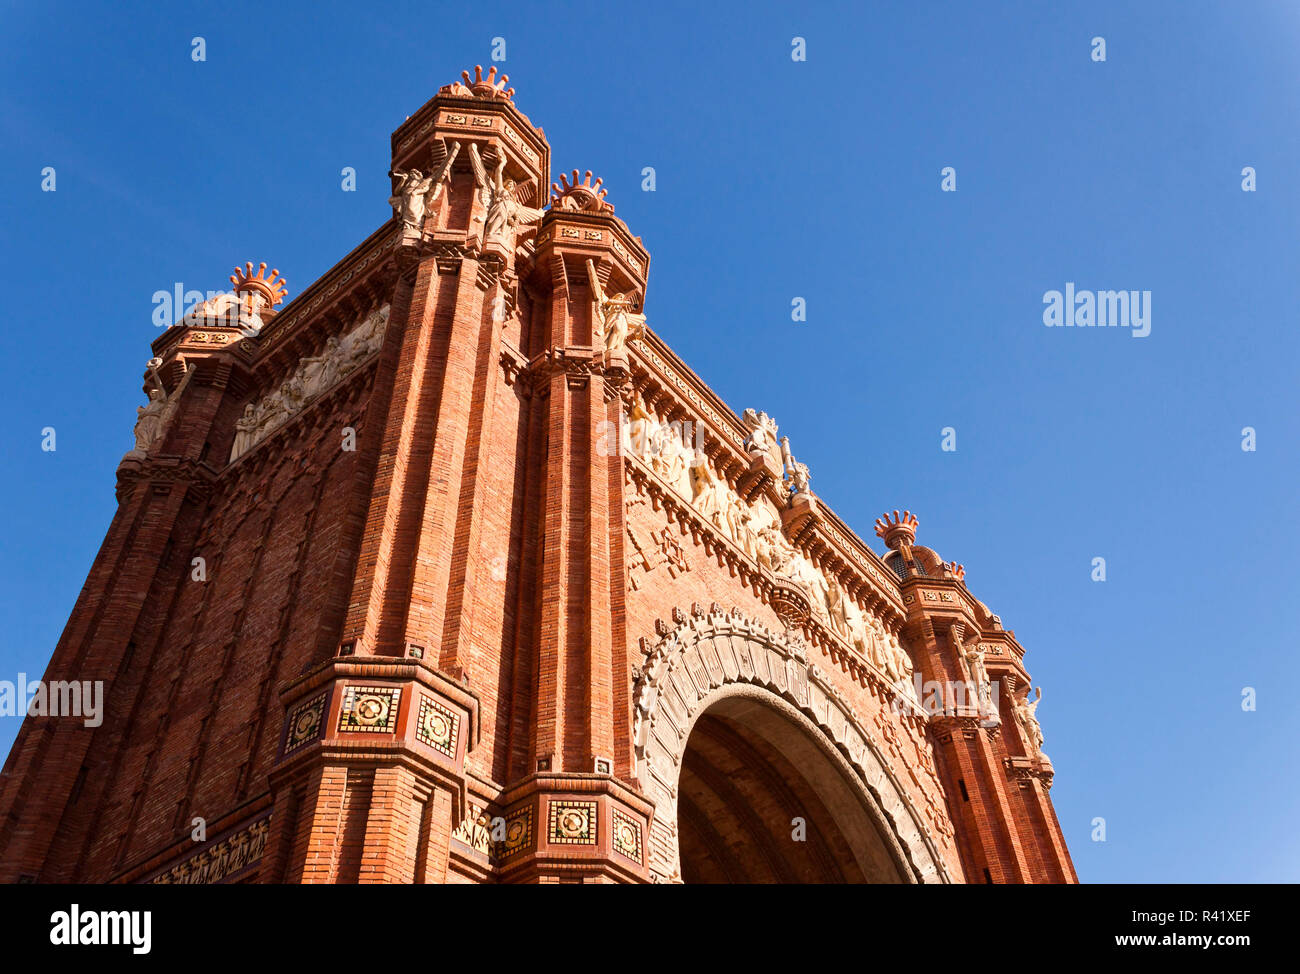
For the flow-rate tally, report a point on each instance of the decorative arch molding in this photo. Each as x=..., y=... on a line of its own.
x=708, y=656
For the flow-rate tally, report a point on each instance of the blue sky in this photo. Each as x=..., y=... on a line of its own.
x=777, y=180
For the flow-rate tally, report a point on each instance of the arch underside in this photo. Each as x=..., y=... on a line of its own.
x=761, y=771
x=759, y=803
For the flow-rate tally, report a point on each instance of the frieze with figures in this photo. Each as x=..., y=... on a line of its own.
x=754, y=527
x=314, y=376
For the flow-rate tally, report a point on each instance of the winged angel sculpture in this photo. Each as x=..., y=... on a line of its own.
x=505, y=214
x=416, y=192
x=614, y=315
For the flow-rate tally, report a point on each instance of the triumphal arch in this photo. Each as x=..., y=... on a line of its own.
x=450, y=570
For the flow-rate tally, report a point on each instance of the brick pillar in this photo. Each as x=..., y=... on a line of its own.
x=392, y=827
x=582, y=664
x=144, y=554
x=1007, y=831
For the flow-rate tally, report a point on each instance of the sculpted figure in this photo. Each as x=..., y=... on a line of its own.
x=880, y=655
x=416, y=192
x=743, y=523
x=614, y=316
x=245, y=432
x=980, y=677
x=640, y=426
x=902, y=662
x=804, y=572
x=774, y=551
x=737, y=517
x=298, y=382
x=1026, y=715
x=667, y=455
x=797, y=478
x=321, y=371
x=505, y=214
x=153, y=418
x=837, y=608
x=708, y=495
x=762, y=432
x=410, y=197
x=283, y=406
x=362, y=341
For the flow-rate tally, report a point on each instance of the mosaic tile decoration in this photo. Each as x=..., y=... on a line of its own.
x=519, y=833
x=437, y=726
x=304, y=723
x=627, y=837
x=369, y=710
x=573, y=823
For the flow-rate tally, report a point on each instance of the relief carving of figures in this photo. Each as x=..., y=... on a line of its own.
x=668, y=455
x=505, y=214
x=311, y=378
x=902, y=663
x=659, y=444
x=708, y=494
x=806, y=574
x=878, y=645
x=740, y=520
x=245, y=430
x=320, y=371
x=847, y=620
x=774, y=551
x=614, y=322
x=640, y=426
x=153, y=419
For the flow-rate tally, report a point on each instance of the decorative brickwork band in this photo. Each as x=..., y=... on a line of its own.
x=221, y=860
x=711, y=655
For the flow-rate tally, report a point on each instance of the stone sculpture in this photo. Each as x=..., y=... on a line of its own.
x=613, y=316
x=311, y=378
x=153, y=418
x=505, y=214
x=415, y=192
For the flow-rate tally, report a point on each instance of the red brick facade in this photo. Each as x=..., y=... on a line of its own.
x=457, y=615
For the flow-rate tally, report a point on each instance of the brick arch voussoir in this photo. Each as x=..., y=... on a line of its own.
x=705, y=656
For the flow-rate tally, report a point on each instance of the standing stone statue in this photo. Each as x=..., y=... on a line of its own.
x=1032, y=732
x=980, y=677
x=797, y=479
x=153, y=419
x=614, y=315
x=762, y=432
x=415, y=192
x=505, y=214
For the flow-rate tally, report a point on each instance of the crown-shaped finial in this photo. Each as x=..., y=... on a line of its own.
x=958, y=571
x=569, y=194
x=897, y=531
x=489, y=87
x=272, y=288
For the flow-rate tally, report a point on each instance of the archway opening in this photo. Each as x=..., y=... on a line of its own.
x=760, y=800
